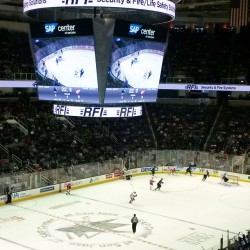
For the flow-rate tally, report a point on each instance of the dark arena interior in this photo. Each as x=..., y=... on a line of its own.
x=98, y=105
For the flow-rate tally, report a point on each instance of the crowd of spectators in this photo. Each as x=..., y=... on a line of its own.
x=182, y=127
x=50, y=142
x=232, y=134
x=15, y=54
x=211, y=53
x=207, y=54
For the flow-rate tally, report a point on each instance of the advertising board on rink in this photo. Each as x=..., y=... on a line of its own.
x=53, y=189
x=97, y=111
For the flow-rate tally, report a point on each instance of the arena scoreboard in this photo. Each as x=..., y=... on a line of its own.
x=81, y=111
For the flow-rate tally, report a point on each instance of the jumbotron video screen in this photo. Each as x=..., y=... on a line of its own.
x=135, y=63
x=65, y=63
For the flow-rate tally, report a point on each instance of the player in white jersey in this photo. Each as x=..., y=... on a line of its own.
x=132, y=196
x=206, y=174
x=151, y=182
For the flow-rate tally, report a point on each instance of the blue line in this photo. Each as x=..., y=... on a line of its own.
x=13, y=242
x=161, y=215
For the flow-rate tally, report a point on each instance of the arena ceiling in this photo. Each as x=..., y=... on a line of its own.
x=13, y=10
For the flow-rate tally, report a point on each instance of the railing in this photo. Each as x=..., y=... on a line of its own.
x=16, y=160
x=33, y=180
x=76, y=138
x=234, y=81
x=24, y=76
x=133, y=160
x=4, y=150
x=181, y=79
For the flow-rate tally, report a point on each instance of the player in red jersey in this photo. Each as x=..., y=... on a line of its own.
x=172, y=171
x=69, y=186
x=151, y=182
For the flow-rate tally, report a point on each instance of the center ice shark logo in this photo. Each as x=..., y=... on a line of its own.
x=134, y=28
x=50, y=27
x=89, y=229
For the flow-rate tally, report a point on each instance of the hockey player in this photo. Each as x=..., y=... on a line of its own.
x=172, y=171
x=132, y=196
x=153, y=170
x=81, y=73
x=224, y=178
x=206, y=174
x=151, y=182
x=188, y=170
x=160, y=182
x=69, y=186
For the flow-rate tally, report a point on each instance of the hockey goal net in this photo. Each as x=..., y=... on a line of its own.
x=234, y=179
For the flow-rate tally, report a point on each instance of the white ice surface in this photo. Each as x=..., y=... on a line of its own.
x=73, y=60
x=135, y=73
x=187, y=214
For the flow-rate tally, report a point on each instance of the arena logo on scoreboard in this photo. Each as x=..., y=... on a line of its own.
x=68, y=29
x=146, y=33
x=191, y=87
x=134, y=28
x=50, y=27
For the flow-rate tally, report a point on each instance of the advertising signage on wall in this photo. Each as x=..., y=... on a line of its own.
x=161, y=6
x=205, y=87
x=81, y=111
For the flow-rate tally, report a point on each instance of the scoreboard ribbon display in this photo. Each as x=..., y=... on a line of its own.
x=205, y=87
x=161, y=6
x=81, y=111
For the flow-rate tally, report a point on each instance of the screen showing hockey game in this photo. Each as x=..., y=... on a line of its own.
x=135, y=63
x=65, y=64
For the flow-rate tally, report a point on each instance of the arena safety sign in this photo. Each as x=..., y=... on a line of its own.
x=160, y=6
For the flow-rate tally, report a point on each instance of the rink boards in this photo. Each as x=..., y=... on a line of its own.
x=76, y=184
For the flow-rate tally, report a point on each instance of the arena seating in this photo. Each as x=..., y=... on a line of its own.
x=210, y=54
x=51, y=142
x=15, y=54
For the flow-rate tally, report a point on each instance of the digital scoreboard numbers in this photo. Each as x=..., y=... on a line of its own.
x=81, y=111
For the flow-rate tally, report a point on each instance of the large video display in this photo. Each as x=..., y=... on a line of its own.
x=65, y=63
x=135, y=63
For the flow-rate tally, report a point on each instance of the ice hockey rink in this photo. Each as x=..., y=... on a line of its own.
x=67, y=69
x=137, y=73
x=186, y=213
